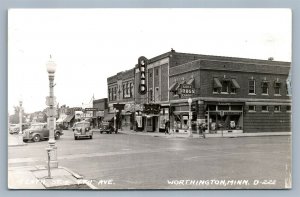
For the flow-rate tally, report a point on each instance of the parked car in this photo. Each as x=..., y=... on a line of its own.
x=16, y=128
x=107, y=127
x=82, y=129
x=38, y=132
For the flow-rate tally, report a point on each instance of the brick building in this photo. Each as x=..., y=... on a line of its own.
x=230, y=94
x=102, y=108
x=121, y=91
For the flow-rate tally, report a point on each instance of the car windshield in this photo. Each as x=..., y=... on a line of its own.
x=36, y=127
x=82, y=124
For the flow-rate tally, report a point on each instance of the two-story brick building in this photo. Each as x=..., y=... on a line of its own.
x=229, y=94
x=121, y=91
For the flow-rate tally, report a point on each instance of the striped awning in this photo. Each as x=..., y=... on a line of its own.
x=191, y=81
x=217, y=83
x=173, y=87
x=235, y=84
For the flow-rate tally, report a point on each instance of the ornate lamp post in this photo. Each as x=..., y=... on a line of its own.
x=190, y=117
x=50, y=101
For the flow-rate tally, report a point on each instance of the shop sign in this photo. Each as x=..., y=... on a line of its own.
x=119, y=106
x=186, y=90
x=142, y=64
x=100, y=113
x=92, y=109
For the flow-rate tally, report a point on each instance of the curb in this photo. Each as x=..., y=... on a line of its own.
x=14, y=145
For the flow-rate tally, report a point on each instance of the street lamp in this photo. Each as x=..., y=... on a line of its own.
x=50, y=101
x=190, y=117
x=20, y=136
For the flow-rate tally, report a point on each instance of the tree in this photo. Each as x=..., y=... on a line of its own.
x=14, y=119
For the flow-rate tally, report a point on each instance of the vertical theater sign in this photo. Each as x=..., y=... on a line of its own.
x=142, y=63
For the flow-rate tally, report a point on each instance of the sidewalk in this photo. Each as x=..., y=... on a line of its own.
x=15, y=140
x=155, y=134
x=36, y=178
x=207, y=135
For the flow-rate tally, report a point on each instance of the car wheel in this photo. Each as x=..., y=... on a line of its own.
x=36, y=138
x=91, y=137
x=25, y=140
x=75, y=138
x=57, y=136
x=101, y=132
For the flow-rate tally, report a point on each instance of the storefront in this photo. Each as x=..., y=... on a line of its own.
x=223, y=117
x=180, y=119
x=163, y=117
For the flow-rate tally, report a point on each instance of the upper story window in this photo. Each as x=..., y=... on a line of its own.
x=225, y=87
x=123, y=90
x=109, y=94
x=264, y=108
x=216, y=86
x=252, y=108
x=277, y=86
x=150, y=94
x=288, y=108
x=288, y=88
x=277, y=108
x=115, y=93
x=252, y=86
x=131, y=89
x=265, y=88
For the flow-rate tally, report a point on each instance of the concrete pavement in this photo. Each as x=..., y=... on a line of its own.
x=36, y=177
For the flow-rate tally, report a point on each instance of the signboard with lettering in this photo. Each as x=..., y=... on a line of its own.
x=142, y=63
x=91, y=109
x=186, y=90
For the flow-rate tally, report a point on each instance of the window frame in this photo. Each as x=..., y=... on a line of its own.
x=279, y=108
x=254, y=87
x=252, y=110
x=264, y=85
x=265, y=110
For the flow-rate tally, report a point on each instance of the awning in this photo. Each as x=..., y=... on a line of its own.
x=69, y=118
x=191, y=81
x=235, y=84
x=173, y=86
x=108, y=117
x=217, y=83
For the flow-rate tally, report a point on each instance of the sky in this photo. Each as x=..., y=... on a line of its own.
x=90, y=45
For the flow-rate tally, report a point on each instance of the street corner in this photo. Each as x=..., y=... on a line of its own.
x=23, y=178
x=61, y=178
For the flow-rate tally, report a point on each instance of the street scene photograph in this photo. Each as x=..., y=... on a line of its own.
x=172, y=99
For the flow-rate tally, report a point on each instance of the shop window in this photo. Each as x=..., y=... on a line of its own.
x=277, y=88
x=252, y=86
x=236, y=107
x=252, y=108
x=225, y=87
x=264, y=108
x=277, y=108
x=212, y=107
x=265, y=88
x=288, y=108
x=223, y=107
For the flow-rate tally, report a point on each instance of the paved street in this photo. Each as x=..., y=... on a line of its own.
x=145, y=162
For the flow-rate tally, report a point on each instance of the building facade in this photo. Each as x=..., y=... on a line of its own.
x=229, y=94
x=101, y=108
x=121, y=91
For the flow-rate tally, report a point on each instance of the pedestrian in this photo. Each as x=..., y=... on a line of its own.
x=167, y=126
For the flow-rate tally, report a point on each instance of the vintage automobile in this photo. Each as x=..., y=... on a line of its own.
x=38, y=132
x=106, y=127
x=16, y=128
x=82, y=129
